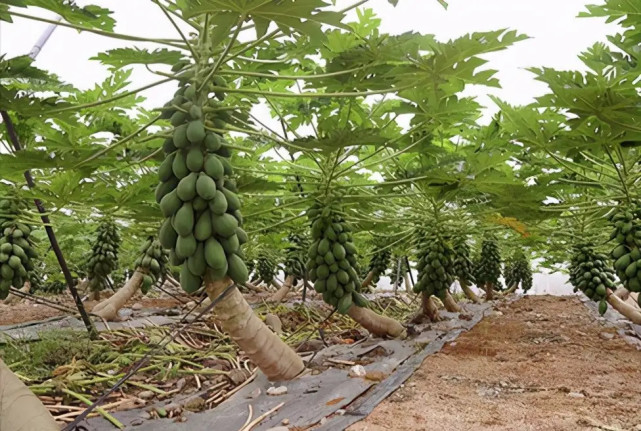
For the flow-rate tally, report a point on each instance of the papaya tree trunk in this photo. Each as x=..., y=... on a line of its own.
x=489, y=291
x=622, y=293
x=94, y=295
x=512, y=289
x=629, y=311
x=428, y=309
x=109, y=308
x=469, y=292
x=406, y=281
x=283, y=291
x=265, y=349
x=450, y=303
x=368, y=280
x=20, y=409
x=274, y=283
x=253, y=287
x=12, y=298
x=381, y=326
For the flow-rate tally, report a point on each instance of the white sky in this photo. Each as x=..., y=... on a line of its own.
x=557, y=37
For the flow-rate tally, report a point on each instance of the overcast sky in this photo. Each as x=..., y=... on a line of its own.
x=557, y=36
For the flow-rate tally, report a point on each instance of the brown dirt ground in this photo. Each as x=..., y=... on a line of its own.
x=28, y=311
x=545, y=364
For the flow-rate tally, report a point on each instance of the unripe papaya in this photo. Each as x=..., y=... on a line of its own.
x=184, y=221
x=189, y=282
x=218, y=205
x=194, y=160
x=179, y=165
x=180, y=136
x=215, y=254
x=165, y=171
x=203, y=229
x=231, y=244
x=196, y=263
x=212, y=142
x=186, y=246
x=237, y=269
x=233, y=203
x=170, y=204
x=195, y=131
x=214, y=167
x=206, y=187
x=186, y=189
x=224, y=225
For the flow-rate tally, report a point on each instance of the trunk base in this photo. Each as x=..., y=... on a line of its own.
x=428, y=310
x=489, y=291
x=630, y=312
x=469, y=292
x=109, y=308
x=450, y=304
x=20, y=409
x=283, y=291
x=376, y=324
x=265, y=349
x=12, y=298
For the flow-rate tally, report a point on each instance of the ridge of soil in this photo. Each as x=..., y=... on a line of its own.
x=540, y=363
x=28, y=311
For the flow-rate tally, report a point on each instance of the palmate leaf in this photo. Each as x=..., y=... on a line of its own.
x=20, y=68
x=121, y=57
x=302, y=16
x=627, y=11
x=91, y=16
x=343, y=138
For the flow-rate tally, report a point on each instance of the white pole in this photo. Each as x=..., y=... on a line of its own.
x=43, y=39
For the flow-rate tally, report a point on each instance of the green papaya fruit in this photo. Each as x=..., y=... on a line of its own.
x=233, y=203
x=237, y=269
x=206, y=187
x=170, y=204
x=215, y=254
x=195, y=131
x=194, y=159
x=186, y=246
x=212, y=143
x=184, y=220
x=218, y=205
x=203, y=229
x=196, y=262
x=189, y=282
x=230, y=244
x=186, y=189
x=224, y=225
x=179, y=165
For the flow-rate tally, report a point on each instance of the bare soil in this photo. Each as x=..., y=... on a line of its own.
x=540, y=363
x=28, y=311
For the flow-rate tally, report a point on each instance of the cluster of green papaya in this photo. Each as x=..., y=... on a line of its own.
x=104, y=254
x=332, y=264
x=379, y=263
x=153, y=260
x=463, y=267
x=202, y=227
x=435, y=264
x=591, y=274
x=265, y=267
x=517, y=271
x=488, y=267
x=626, y=254
x=16, y=249
x=295, y=256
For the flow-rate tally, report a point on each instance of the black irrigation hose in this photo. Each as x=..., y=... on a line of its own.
x=73, y=426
